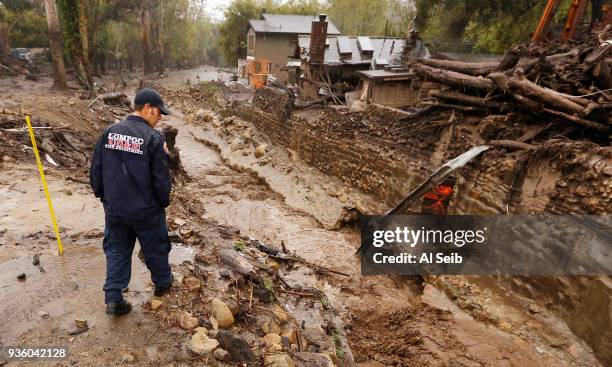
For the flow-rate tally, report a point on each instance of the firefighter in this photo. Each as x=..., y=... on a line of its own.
x=130, y=174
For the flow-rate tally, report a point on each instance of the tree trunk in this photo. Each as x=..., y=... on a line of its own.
x=84, y=32
x=5, y=46
x=55, y=41
x=161, y=39
x=145, y=38
x=470, y=68
x=455, y=79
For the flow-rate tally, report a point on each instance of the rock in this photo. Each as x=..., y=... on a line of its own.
x=271, y=326
x=185, y=232
x=155, y=304
x=275, y=348
x=222, y=313
x=263, y=294
x=188, y=322
x=506, y=326
x=274, y=265
x=21, y=276
x=225, y=273
x=221, y=354
x=178, y=277
x=280, y=313
x=214, y=323
x=290, y=332
x=201, y=344
x=192, y=283
x=278, y=360
x=128, y=358
x=236, y=261
x=271, y=339
x=233, y=306
x=8, y=158
x=36, y=260
x=305, y=359
x=81, y=323
x=179, y=222
x=260, y=151
x=43, y=314
x=200, y=112
x=238, y=348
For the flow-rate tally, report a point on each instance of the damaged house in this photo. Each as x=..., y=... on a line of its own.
x=274, y=38
x=332, y=63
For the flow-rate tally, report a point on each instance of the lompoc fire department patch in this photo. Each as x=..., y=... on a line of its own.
x=125, y=143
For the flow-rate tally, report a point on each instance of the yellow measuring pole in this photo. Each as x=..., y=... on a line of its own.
x=44, y=182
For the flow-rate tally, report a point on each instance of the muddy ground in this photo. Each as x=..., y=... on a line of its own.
x=243, y=197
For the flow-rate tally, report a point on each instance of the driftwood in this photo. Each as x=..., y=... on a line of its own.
x=512, y=144
x=467, y=99
x=470, y=68
x=455, y=79
x=112, y=97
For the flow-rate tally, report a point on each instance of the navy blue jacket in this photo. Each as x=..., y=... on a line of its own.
x=129, y=171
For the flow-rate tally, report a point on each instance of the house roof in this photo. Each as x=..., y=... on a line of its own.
x=389, y=49
x=297, y=24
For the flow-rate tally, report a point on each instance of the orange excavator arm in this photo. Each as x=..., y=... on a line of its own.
x=547, y=16
x=574, y=14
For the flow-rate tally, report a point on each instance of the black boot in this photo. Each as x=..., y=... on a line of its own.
x=160, y=290
x=118, y=308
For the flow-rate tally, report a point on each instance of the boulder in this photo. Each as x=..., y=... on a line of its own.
x=188, y=322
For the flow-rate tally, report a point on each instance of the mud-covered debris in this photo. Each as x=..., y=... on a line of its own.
x=279, y=360
x=222, y=313
x=36, y=260
x=179, y=222
x=155, y=304
x=305, y=359
x=201, y=344
x=21, y=276
x=128, y=358
x=192, y=283
x=238, y=348
x=271, y=326
x=80, y=326
x=43, y=314
x=221, y=354
x=188, y=322
x=260, y=151
x=236, y=262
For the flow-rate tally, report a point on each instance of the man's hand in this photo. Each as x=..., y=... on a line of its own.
x=166, y=148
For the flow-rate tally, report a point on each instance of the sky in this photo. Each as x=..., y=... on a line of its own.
x=215, y=8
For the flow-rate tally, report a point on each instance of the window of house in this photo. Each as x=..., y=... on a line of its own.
x=251, y=42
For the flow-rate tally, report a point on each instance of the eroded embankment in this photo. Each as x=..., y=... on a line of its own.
x=376, y=152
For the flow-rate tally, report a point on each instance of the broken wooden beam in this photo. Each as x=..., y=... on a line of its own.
x=470, y=100
x=512, y=144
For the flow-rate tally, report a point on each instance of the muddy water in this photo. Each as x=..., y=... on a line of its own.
x=69, y=286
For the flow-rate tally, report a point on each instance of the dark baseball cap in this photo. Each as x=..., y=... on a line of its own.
x=150, y=96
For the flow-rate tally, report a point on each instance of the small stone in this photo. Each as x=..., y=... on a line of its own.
x=280, y=313
x=128, y=358
x=260, y=151
x=67, y=192
x=221, y=354
x=155, y=304
x=271, y=326
x=43, y=314
x=238, y=348
x=278, y=360
x=192, y=283
x=274, y=265
x=222, y=313
x=201, y=344
x=214, y=323
x=21, y=276
x=188, y=322
x=290, y=333
x=275, y=348
x=81, y=323
x=504, y=325
x=225, y=273
x=8, y=158
x=271, y=339
x=179, y=222
x=178, y=277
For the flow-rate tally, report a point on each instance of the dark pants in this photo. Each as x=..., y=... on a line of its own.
x=119, y=238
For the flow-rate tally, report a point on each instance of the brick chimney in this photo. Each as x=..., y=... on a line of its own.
x=318, y=34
